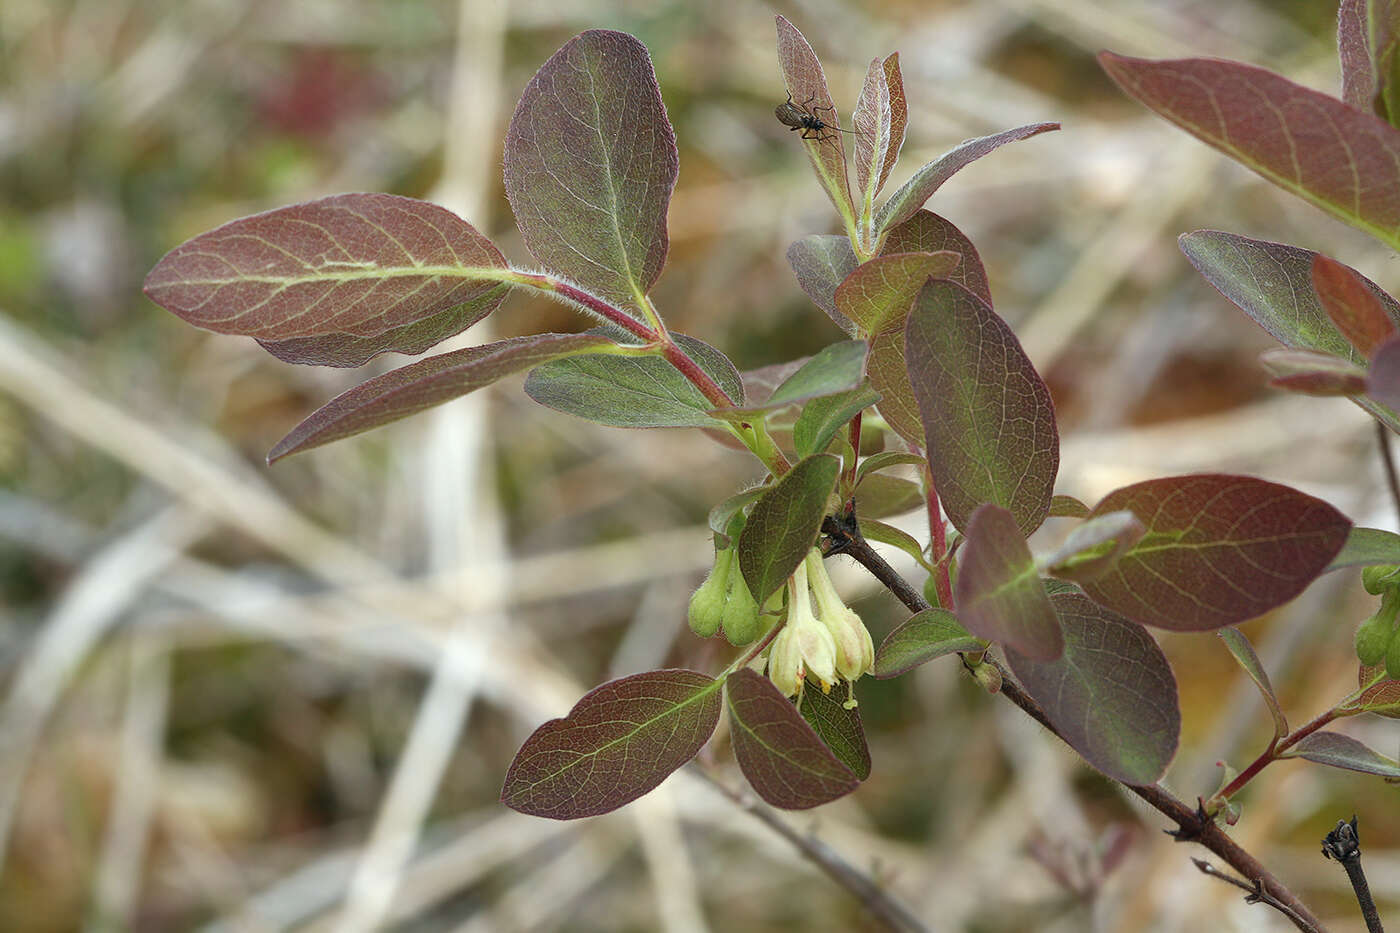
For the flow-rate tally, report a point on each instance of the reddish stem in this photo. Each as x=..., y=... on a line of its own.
x=1273, y=753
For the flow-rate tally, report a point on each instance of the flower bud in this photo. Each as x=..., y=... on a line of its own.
x=707, y=602
x=740, y=619
x=1374, y=637
x=1377, y=578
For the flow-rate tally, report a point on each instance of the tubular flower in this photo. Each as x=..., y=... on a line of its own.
x=804, y=647
x=855, y=651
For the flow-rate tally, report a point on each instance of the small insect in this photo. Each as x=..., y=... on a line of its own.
x=805, y=118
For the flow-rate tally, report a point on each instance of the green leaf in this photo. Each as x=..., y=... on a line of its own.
x=1342, y=751
x=886, y=458
x=838, y=367
x=999, y=595
x=821, y=262
x=336, y=281
x=784, y=523
x=930, y=634
x=839, y=728
x=590, y=162
x=1273, y=284
x=1367, y=547
x=1219, y=550
x=883, y=289
x=1111, y=694
x=618, y=742
x=806, y=83
x=1377, y=693
x=633, y=391
x=880, y=495
x=1243, y=652
x=1091, y=550
x=1348, y=299
x=418, y=386
x=927, y=232
x=724, y=512
x=913, y=193
x=1311, y=373
x=782, y=756
x=1342, y=160
x=987, y=415
x=1067, y=507
x=822, y=417
x=879, y=532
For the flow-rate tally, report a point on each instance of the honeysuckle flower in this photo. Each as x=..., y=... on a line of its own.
x=855, y=650
x=804, y=647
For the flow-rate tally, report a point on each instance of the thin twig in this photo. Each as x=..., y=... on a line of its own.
x=1256, y=894
x=877, y=901
x=1344, y=845
x=1192, y=824
x=1383, y=441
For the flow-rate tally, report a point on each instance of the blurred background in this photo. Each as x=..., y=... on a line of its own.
x=242, y=698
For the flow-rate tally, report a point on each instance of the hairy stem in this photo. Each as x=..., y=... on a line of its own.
x=1193, y=825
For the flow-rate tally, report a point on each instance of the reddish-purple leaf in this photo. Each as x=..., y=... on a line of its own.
x=1111, y=694
x=1340, y=159
x=590, y=162
x=873, y=124
x=1243, y=652
x=883, y=289
x=1383, y=380
x=618, y=742
x=1349, y=299
x=927, y=232
x=782, y=756
x=784, y=523
x=418, y=386
x=821, y=262
x=1218, y=550
x=1377, y=693
x=1342, y=751
x=806, y=83
x=899, y=116
x=913, y=193
x=987, y=415
x=1312, y=373
x=840, y=729
x=1359, y=86
x=337, y=280
x=930, y=634
x=999, y=595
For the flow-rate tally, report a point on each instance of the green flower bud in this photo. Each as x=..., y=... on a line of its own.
x=1378, y=578
x=740, y=620
x=1374, y=637
x=707, y=602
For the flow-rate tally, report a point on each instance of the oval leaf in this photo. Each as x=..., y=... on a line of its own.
x=927, y=232
x=782, y=756
x=633, y=391
x=590, y=162
x=881, y=533
x=1344, y=161
x=1342, y=751
x=821, y=262
x=1091, y=549
x=806, y=83
x=987, y=415
x=873, y=123
x=618, y=742
x=999, y=595
x=335, y=281
x=883, y=289
x=1111, y=695
x=838, y=367
x=1218, y=550
x=839, y=728
x=930, y=634
x=913, y=193
x=784, y=524
x=1347, y=298
x=821, y=418
x=1243, y=652
x=421, y=385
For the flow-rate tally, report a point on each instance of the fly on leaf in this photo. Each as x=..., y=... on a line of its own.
x=805, y=117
